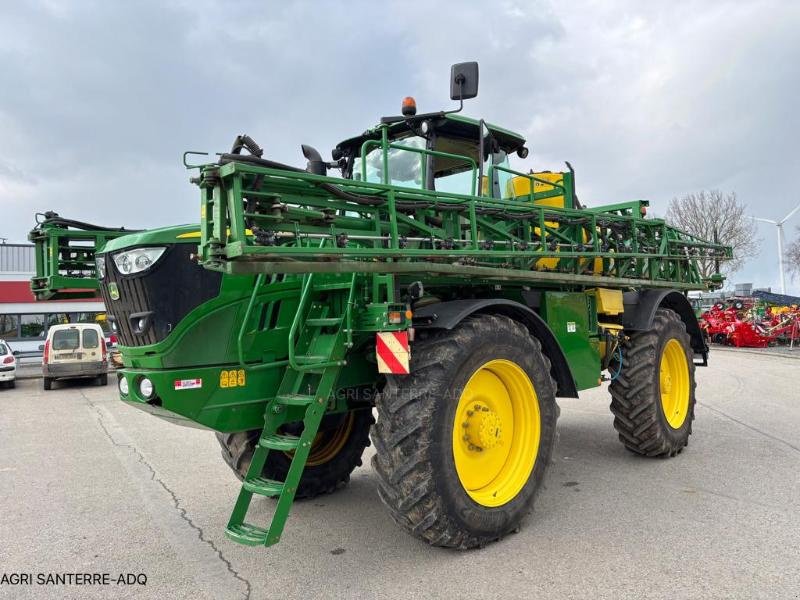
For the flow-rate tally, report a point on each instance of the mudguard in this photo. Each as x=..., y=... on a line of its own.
x=640, y=309
x=446, y=315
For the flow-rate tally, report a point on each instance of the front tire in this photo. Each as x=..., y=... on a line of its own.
x=335, y=453
x=653, y=397
x=464, y=442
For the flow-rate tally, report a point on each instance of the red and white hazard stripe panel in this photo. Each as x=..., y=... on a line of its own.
x=391, y=349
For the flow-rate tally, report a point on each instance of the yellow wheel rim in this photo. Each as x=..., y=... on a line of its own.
x=327, y=445
x=674, y=383
x=496, y=433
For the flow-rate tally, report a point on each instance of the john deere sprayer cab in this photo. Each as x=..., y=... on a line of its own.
x=415, y=275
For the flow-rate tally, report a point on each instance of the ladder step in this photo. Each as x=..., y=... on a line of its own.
x=263, y=486
x=294, y=399
x=247, y=534
x=324, y=322
x=279, y=442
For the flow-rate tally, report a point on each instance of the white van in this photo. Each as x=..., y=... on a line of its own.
x=75, y=350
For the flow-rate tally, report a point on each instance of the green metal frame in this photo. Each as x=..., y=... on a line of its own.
x=421, y=230
x=65, y=260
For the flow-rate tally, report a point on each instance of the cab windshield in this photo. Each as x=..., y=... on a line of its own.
x=407, y=167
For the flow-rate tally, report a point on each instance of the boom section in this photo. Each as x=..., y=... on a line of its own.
x=65, y=257
x=262, y=219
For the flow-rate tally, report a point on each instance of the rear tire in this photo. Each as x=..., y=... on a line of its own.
x=325, y=474
x=650, y=418
x=47, y=383
x=420, y=464
x=102, y=379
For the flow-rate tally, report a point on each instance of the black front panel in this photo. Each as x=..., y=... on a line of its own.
x=151, y=303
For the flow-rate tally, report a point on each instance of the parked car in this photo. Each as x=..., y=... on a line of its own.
x=8, y=365
x=74, y=351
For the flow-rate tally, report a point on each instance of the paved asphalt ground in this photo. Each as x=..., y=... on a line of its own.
x=88, y=484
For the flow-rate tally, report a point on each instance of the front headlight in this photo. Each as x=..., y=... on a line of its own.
x=100, y=264
x=146, y=388
x=137, y=260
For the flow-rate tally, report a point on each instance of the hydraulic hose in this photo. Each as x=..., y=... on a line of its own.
x=52, y=218
x=254, y=158
x=271, y=164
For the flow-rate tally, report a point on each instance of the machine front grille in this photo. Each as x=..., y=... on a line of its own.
x=158, y=297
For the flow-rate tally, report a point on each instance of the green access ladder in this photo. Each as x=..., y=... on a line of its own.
x=319, y=338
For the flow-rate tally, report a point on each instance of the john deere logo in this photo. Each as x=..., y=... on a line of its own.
x=113, y=291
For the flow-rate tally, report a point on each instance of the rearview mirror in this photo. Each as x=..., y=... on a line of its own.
x=464, y=81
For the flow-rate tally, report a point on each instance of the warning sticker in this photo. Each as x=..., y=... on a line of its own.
x=571, y=328
x=231, y=378
x=188, y=384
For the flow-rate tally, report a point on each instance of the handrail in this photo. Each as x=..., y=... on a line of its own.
x=423, y=151
x=299, y=316
x=376, y=188
x=349, y=311
x=304, y=295
x=240, y=338
x=530, y=176
x=471, y=232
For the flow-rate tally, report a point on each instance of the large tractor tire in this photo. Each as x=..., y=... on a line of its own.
x=653, y=396
x=463, y=442
x=336, y=451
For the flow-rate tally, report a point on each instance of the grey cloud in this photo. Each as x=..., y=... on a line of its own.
x=646, y=100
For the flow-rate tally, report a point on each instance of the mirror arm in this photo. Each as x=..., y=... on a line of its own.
x=460, y=97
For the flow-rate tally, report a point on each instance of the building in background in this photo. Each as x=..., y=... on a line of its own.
x=23, y=320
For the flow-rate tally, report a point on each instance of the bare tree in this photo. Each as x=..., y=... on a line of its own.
x=793, y=256
x=716, y=216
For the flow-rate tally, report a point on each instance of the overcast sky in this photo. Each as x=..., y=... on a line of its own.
x=647, y=100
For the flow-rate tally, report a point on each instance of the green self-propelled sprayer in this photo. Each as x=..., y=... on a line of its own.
x=415, y=276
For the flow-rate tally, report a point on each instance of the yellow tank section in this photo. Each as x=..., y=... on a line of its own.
x=609, y=302
x=519, y=188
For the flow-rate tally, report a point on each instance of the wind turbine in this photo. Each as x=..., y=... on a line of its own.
x=779, y=225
